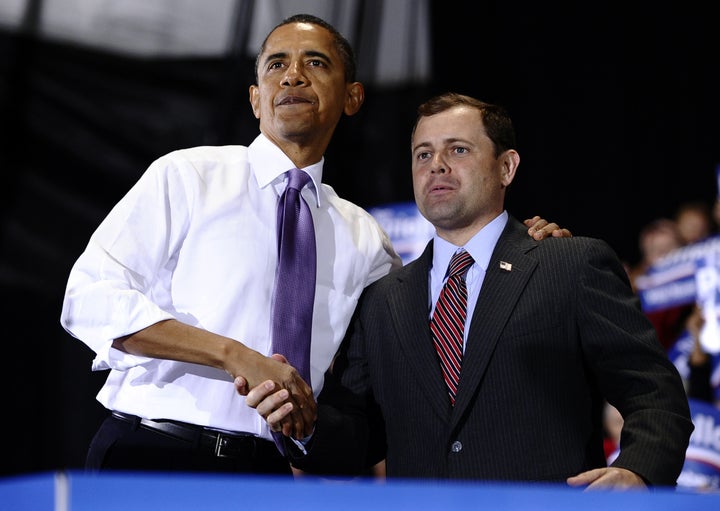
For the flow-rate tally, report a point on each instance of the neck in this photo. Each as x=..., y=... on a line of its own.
x=301, y=152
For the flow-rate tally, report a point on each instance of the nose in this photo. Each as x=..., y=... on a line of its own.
x=439, y=165
x=294, y=75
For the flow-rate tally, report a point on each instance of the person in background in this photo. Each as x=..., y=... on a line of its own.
x=695, y=222
x=553, y=331
x=699, y=369
x=174, y=290
x=656, y=240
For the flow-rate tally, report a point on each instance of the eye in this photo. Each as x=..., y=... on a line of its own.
x=423, y=155
x=460, y=150
x=275, y=65
x=316, y=63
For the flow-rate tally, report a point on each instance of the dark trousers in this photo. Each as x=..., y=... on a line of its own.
x=127, y=444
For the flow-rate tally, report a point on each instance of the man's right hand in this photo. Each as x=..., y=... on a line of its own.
x=174, y=340
x=283, y=408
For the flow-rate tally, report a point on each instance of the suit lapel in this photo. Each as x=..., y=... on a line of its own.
x=408, y=306
x=507, y=274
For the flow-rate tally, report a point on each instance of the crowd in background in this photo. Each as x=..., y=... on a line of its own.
x=678, y=326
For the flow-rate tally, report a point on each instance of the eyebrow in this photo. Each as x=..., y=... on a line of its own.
x=308, y=53
x=445, y=141
x=420, y=146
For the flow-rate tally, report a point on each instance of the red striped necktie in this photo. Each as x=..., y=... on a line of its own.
x=448, y=321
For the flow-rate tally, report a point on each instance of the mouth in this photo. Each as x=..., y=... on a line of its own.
x=439, y=188
x=294, y=100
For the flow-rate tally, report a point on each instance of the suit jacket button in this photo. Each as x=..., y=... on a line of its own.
x=456, y=446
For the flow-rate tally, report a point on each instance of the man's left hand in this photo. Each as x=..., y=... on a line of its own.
x=608, y=478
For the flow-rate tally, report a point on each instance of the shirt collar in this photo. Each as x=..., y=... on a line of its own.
x=269, y=165
x=480, y=247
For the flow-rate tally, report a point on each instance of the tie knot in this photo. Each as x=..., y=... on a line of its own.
x=459, y=263
x=297, y=179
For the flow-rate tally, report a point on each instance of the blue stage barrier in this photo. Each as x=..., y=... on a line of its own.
x=77, y=491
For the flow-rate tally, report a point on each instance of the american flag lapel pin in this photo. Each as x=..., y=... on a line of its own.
x=504, y=265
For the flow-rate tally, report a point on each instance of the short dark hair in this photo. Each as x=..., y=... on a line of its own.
x=498, y=125
x=342, y=45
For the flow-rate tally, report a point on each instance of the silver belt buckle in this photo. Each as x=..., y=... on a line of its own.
x=220, y=444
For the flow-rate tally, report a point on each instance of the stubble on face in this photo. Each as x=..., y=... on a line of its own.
x=457, y=187
x=461, y=210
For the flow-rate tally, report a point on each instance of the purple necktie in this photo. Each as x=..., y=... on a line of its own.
x=294, y=280
x=295, y=277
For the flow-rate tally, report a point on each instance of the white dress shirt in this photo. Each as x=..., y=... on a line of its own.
x=195, y=240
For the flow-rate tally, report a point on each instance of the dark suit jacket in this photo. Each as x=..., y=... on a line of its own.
x=553, y=334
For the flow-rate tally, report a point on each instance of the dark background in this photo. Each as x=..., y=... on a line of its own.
x=616, y=109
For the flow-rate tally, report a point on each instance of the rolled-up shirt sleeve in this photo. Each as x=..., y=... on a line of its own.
x=120, y=282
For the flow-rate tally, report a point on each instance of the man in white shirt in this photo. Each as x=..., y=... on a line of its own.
x=174, y=291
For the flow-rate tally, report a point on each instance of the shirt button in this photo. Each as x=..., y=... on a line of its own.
x=456, y=446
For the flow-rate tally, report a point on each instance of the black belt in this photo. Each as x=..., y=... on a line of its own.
x=223, y=445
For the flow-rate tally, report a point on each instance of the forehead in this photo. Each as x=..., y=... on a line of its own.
x=299, y=37
x=458, y=122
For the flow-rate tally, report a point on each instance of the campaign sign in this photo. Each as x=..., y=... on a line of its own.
x=701, y=470
x=690, y=274
x=674, y=279
x=408, y=230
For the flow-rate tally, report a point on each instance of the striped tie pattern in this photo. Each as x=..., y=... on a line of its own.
x=448, y=321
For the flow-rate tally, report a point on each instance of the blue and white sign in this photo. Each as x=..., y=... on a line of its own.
x=409, y=231
x=701, y=470
x=690, y=274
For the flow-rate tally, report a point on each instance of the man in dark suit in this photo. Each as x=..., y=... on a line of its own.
x=552, y=331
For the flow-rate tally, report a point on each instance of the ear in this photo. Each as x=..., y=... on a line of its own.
x=254, y=94
x=355, y=98
x=509, y=162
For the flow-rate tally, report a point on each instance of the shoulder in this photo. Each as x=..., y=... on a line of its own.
x=365, y=232
x=589, y=261
x=576, y=252
x=206, y=155
x=516, y=232
x=558, y=258
x=201, y=163
x=349, y=210
x=582, y=246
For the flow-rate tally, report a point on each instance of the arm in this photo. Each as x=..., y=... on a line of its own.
x=622, y=351
x=140, y=290
x=174, y=340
